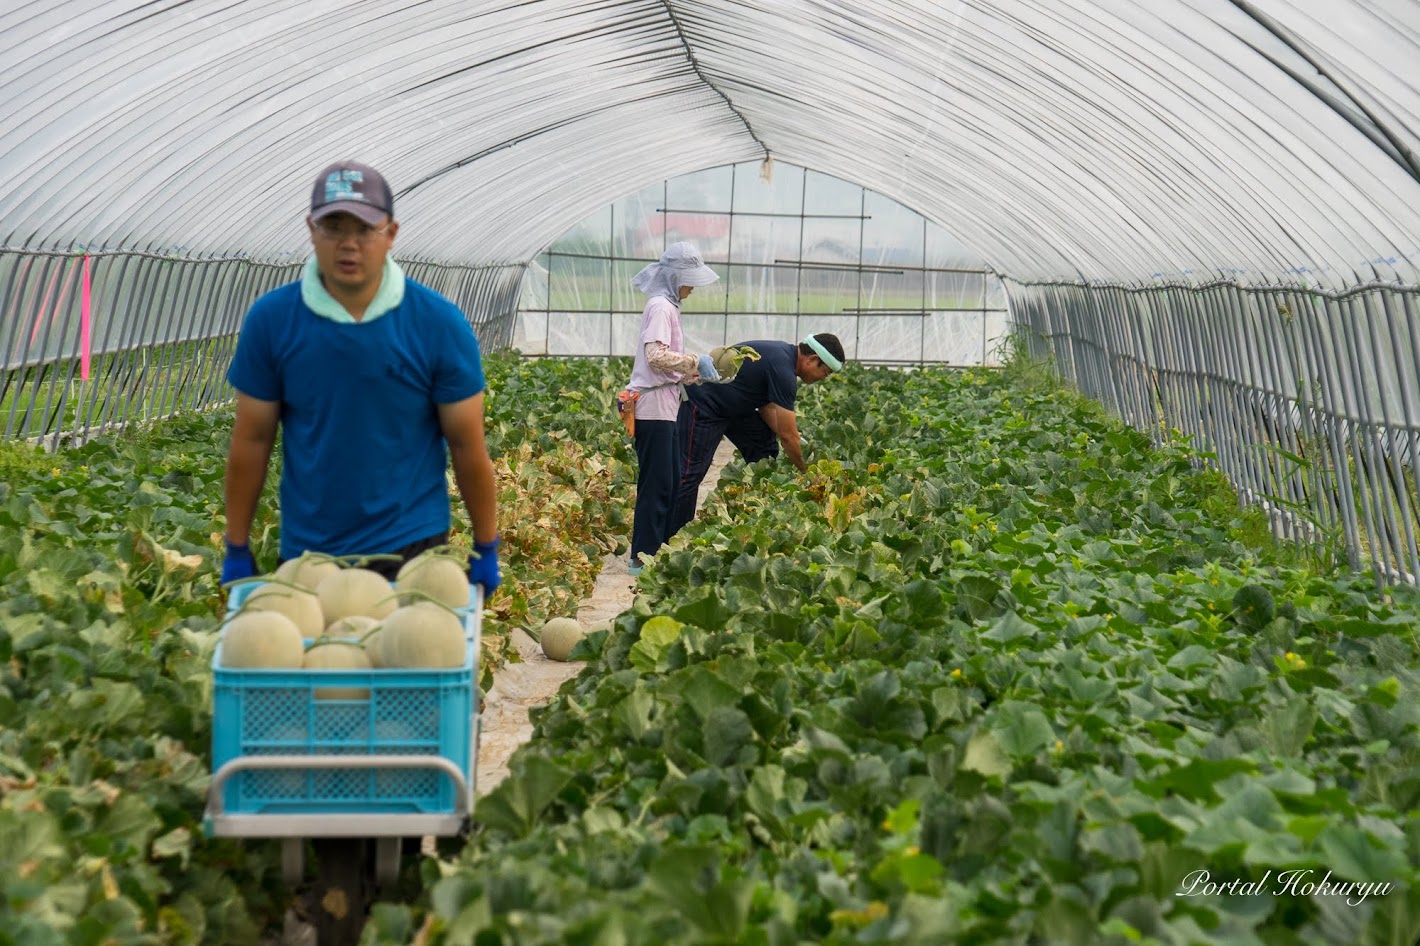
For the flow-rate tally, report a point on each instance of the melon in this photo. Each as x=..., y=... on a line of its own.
x=353, y=626
x=440, y=577
x=262, y=640
x=297, y=604
x=373, y=643
x=422, y=636
x=308, y=569
x=559, y=636
x=328, y=654
x=729, y=359
x=355, y=591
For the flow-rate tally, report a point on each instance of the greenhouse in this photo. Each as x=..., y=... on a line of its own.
x=1055, y=582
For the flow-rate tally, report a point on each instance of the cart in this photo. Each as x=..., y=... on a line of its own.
x=392, y=758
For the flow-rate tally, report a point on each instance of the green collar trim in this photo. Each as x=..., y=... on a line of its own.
x=322, y=303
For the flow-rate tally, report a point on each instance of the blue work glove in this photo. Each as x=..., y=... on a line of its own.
x=707, y=369
x=238, y=563
x=483, y=567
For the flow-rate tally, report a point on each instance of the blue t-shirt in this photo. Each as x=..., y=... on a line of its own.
x=770, y=380
x=363, y=456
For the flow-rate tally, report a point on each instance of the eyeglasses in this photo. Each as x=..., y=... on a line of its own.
x=338, y=233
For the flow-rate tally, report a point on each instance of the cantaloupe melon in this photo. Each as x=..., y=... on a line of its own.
x=373, y=643
x=729, y=359
x=262, y=640
x=353, y=626
x=352, y=591
x=423, y=636
x=308, y=569
x=559, y=636
x=297, y=604
x=439, y=576
x=329, y=654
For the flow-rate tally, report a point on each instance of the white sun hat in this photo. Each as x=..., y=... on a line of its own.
x=680, y=265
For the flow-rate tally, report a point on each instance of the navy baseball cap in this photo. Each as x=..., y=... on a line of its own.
x=353, y=188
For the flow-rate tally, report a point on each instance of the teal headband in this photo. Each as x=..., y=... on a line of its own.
x=823, y=355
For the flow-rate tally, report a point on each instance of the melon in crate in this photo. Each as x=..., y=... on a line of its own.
x=262, y=640
x=437, y=575
x=355, y=591
x=308, y=569
x=295, y=603
x=422, y=636
x=330, y=654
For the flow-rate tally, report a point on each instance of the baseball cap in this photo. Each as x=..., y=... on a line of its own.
x=353, y=188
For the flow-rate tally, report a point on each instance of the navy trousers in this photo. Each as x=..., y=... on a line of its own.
x=657, y=479
x=700, y=437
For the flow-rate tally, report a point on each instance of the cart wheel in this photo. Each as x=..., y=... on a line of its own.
x=342, y=890
x=293, y=861
x=387, y=852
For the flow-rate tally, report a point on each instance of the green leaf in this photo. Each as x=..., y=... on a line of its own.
x=1009, y=627
x=1351, y=853
x=984, y=755
x=176, y=843
x=725, y=731
x=977, y=594
x=515, y=804
x=705, y=691
x=1197, y=779
x=657, y=635
x=1020, y=729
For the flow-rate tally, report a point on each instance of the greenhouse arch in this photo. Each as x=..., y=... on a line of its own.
x=1075, y=602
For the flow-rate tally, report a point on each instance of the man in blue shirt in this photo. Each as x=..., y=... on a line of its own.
x=375, y=381
x=755, y=410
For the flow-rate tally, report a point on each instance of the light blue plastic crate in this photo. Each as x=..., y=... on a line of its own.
x=407, y=712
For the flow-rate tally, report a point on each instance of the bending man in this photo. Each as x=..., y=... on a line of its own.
x=755, y=410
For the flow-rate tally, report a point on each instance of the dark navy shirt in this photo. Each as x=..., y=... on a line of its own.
x=770, y=380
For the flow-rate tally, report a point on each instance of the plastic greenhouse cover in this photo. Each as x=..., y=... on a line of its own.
x=1110, y=141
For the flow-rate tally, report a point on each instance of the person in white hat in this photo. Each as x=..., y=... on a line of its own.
x=662, y=366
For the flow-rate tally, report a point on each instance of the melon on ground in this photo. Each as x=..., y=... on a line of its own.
x=559, y=636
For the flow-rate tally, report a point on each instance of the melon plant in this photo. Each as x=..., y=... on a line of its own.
x=308, y=569
x=729, y=359
x=355, y=591
x=440, y=576
x=558, y=636
x=421, y=636
x=298, y=604
x=330, y=654
x=262, y=640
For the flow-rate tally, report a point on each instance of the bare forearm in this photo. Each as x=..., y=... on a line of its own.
x=473, y=474
x=793, y=450
x=247, y=463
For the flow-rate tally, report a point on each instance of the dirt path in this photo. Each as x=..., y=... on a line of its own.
x=518, y=687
